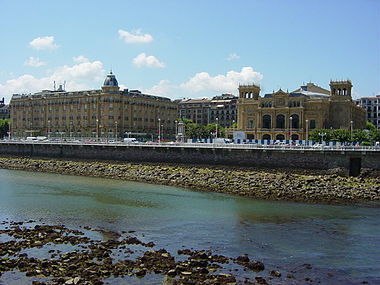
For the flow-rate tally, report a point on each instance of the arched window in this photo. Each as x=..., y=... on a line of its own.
x=295, y=121
x=312, y=124
x=266, y=122
x=266, y=137
x=280, y=122
x=280, y=137
x=295, y=137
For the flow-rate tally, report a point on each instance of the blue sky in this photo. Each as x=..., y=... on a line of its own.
x=189, y=49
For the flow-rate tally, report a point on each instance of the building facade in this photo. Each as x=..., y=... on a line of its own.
x=105, y=113
x=220, y=109
x=282, y=115
x=4, y=110
x=372, y=107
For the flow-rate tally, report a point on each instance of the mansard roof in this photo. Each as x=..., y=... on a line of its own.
x=110, y=80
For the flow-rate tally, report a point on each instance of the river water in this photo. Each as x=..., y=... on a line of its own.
x=341, y=243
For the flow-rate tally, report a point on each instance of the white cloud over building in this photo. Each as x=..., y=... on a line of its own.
x=80, y=76
x=163, y=88
x=43, y=43
x=150, y=61
x=34, y=62
x=233, y=56
x=227, y=83
x=134, y=37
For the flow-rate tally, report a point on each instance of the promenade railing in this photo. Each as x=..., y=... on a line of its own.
x=203, y=145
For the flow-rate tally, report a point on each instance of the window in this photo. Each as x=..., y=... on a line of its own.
x=295, y=121
x=266, y=122
x=250, y=124
x=280, y=122
x=312, y=124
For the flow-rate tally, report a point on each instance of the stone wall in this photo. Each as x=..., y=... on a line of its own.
x=309, y=159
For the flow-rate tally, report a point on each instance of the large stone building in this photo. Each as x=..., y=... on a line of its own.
x=220, y=109
x=95, y=113
x=372, y=107
x=4, y=110
x=283, y=115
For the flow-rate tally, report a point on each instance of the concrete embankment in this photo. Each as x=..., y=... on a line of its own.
x=279, y=184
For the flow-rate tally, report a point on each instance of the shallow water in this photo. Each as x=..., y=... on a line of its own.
x=342, y=243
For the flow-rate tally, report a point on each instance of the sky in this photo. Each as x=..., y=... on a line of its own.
x=189, y=49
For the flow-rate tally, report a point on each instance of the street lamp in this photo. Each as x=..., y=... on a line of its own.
x=115, y=131
x=290, y=127
x=176, y=129
x=216, y=136
x=322, y=135
x=97, y=129
x=307, y=131
x=233, y=127
x=70, y=133
x=49, y=129
x=9, y=130
x=159, y=131
x=351, y=128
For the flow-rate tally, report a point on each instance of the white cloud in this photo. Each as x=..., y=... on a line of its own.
x=42, y=43
x=161, y=89
x=135, y=37
x=78, y=77
x=228, y=83
x=34, y=61
x=80, y=59
x=233, y=56
x=151, y=61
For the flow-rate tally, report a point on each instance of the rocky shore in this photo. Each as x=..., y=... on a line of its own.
x=54, y=254
x=311, y=186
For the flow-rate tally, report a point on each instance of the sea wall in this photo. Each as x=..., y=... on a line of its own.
x=351, y=161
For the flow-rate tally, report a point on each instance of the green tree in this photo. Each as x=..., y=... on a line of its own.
x=317, y=135
x=369, y=126
x=340, y=135
x=374, y=135
x=360, y=136
x=197, y=131
x=4, y=127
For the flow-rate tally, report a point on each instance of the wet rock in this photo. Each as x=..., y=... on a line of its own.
x=243, y=258
x=256, y=265
x=275, y=273
x=261, y=280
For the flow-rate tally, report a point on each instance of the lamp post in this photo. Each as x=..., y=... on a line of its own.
x=307, y=131
x=216, y=135
x=351, y=128
x=49, y=130
x=9, y=130
x=115, y=131
x=159, y=131
x=176, y=130
x=97, y=129
x=322, y=135
x=290, y=128
x=70, y=133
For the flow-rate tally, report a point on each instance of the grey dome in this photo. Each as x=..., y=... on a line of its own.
x=110, y=80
